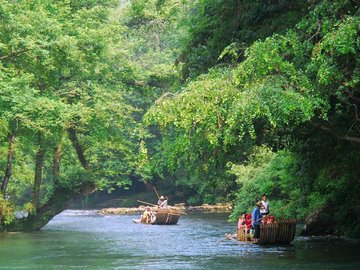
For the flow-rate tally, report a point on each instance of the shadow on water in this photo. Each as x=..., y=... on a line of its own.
x=84, y=240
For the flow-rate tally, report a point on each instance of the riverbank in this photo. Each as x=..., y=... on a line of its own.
x=216, y=208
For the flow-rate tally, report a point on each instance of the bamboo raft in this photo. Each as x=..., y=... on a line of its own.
x=282, y=232
x=162, y=217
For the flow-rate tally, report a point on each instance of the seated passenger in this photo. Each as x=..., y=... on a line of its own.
x=146, y=216
x=241, y=222
x=248, y=222
x=271, y=220
x=264, y=220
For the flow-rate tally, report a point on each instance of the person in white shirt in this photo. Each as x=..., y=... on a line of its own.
x=265, y=208
x=163, y=202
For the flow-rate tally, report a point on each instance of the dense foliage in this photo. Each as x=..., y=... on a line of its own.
x=66, y=122
x=225, y=100
x=297, y=94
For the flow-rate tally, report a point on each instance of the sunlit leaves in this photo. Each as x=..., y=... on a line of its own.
x=343, y=41
x=282, y=84
x=63, y=64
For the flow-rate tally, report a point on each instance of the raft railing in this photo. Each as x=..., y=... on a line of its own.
x=281, y=232
x=167, y=217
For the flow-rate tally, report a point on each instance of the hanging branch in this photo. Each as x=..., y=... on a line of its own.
x=15, y=53
x=335, y=133
x=78, y=148
x=317, y=31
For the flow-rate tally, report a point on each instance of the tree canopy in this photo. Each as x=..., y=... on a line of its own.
x=63, y=99
x=296, y=90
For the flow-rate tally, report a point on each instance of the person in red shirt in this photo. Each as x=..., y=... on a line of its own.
x=248, y=222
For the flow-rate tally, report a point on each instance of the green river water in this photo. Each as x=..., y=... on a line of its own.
x=84, y=240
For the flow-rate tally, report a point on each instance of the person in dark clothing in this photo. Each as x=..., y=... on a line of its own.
x=256, y=219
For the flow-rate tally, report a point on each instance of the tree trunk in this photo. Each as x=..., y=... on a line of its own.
x=39, y=164
x=10, y=157
x=60, y=200
x=78, y=148
x=57, y=158
x=335, y=133
x=56, y=162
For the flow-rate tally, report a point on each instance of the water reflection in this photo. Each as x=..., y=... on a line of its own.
x=84, y=240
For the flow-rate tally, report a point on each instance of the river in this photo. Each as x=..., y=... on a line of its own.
x=83, y=240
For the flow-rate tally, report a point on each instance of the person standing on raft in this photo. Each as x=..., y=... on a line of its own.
x=265, y=208
x=162, y=202
x=256, y=219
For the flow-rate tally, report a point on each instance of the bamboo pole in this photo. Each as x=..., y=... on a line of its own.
x=170, y=210
x=147, y=203
x=157, y=194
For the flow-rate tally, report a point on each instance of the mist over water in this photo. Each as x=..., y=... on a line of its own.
x=83, y=240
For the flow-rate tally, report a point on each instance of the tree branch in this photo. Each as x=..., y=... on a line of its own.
x=317, y=31
x=22, y=51
x=351, y=97
x=335, y=133
x=78, y=148
x=166, y=95
x=13, y=54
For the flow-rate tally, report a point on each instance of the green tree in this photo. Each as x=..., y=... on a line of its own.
x=64, y=93
x=298, y=90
